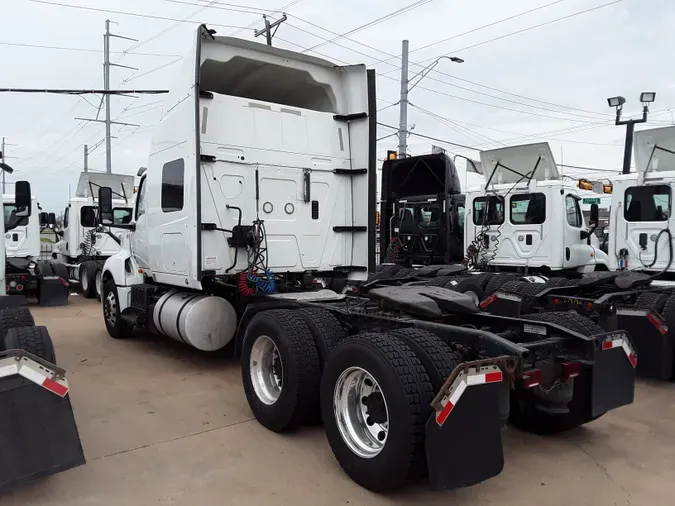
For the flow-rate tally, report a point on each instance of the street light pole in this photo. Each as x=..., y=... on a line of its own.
x=617, y=102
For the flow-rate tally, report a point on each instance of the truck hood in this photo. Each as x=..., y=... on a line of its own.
x=536, y=159
x=655, y=150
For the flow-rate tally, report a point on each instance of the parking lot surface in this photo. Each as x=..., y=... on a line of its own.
x=161, y=423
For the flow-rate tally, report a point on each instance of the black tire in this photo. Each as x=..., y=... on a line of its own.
x=438, y=359
x=35, y=340
x=408, y=393
x=325, y=328
x=404, y=273
x=439, y=281
x=466, y=285
x=653, y=301
x=388, y=271
x=497, y=281
x=87, y=277
x=569, y=320
x=571, y=282
x=298, y=401
x=14, y=317
x=512, y=286
x=528, y=292
x=117, y=327
x=555, y=282
x=43, y=268
x=60, y=270
x=669, y=312
x=483, y=279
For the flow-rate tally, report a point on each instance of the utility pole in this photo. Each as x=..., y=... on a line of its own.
x=106, y=86
x=267, y=31
x=86, y=158
x=403, y=107
x=2, y=159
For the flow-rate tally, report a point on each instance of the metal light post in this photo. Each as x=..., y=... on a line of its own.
x=406, y=87
x=617, y=102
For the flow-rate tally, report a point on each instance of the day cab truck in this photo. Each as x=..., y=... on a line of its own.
x=83, y=246
x=38, y=434
x=25, y=272
x=261, y=179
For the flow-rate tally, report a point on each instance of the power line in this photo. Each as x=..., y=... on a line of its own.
x=124, y=13
x=82, y=92
x=83, y=49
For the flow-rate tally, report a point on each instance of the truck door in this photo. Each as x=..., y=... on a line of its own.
x=525, y=239
x=16, y=233
x=139, y=244
x=647, y=213
x=576, y=252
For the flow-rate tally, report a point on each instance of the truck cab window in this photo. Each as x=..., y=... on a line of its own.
x=173, y=182
x=11, y=219
x=140, y=199
x=430, y=216
x=528, y=209
x=647, y=203
x=65, y=217
x=460, y=216
x=573, y=211
x=488, y=210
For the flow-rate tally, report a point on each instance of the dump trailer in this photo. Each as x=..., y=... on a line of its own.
x=26, y=273
x=83, y=246
x=261, y=180
x=38, y=434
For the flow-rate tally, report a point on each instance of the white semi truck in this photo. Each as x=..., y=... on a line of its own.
x=261, y=179
x=84, y=247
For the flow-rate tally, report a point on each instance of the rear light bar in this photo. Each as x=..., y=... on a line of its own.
x=532, y=378
x=571, y=370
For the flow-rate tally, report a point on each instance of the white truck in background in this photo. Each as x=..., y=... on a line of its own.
x=83, y=246
x=261, y=179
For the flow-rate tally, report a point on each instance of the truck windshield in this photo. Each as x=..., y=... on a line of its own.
x=647, y=203
x=11, y=219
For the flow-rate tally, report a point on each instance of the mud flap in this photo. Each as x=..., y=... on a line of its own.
x=38, y=435
x=53, y=291
x=652, y=341
x=464, y=446
x=613, y=373
x=502, y=304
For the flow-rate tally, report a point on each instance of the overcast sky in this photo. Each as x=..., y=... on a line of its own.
x=557, y=76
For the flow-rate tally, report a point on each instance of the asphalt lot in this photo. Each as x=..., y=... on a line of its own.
x=161, y=423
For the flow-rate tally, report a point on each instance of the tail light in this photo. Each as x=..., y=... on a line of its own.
x=19, y=287
x=571, y=370
x=23, y=278
x=532, y=378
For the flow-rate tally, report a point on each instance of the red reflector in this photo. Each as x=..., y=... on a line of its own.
x=493, y=377
x=23, y=278
x=532, y=378
x=571, y=370
x=55, y=387
x=633, y=360
x=655, y=321
x=63, y=281
x=19, y=287
x=556, y=301
x=445, y=413
x=607, y=345
x=589, y=305
x=488, y=301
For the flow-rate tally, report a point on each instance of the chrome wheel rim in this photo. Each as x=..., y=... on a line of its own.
x=110, y=309
x=98, y=283
x=361, y=412
x=266, y=370
x=84, y=280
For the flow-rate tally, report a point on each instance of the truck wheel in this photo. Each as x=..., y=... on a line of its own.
x=32, y=339
x=652, y=300
x=439, y=281
x=387, y=271
x=280, y=370
x=468, y=286
x=513, y=286
x=116, y=326
x=497, y=281
x=569, y=320
x=98, y=282
x=555, y=282
x=61, y=271
x=404, y=273
x=325, y=328
x=88, y=279
x=15, y=317
x=375, y=403
x=438, y=359
x=483, y=279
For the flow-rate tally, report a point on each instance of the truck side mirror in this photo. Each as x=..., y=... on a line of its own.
x=22, y=198
x=595, y=215
x=51, y=219
x=44, y=219
x=105, y=205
